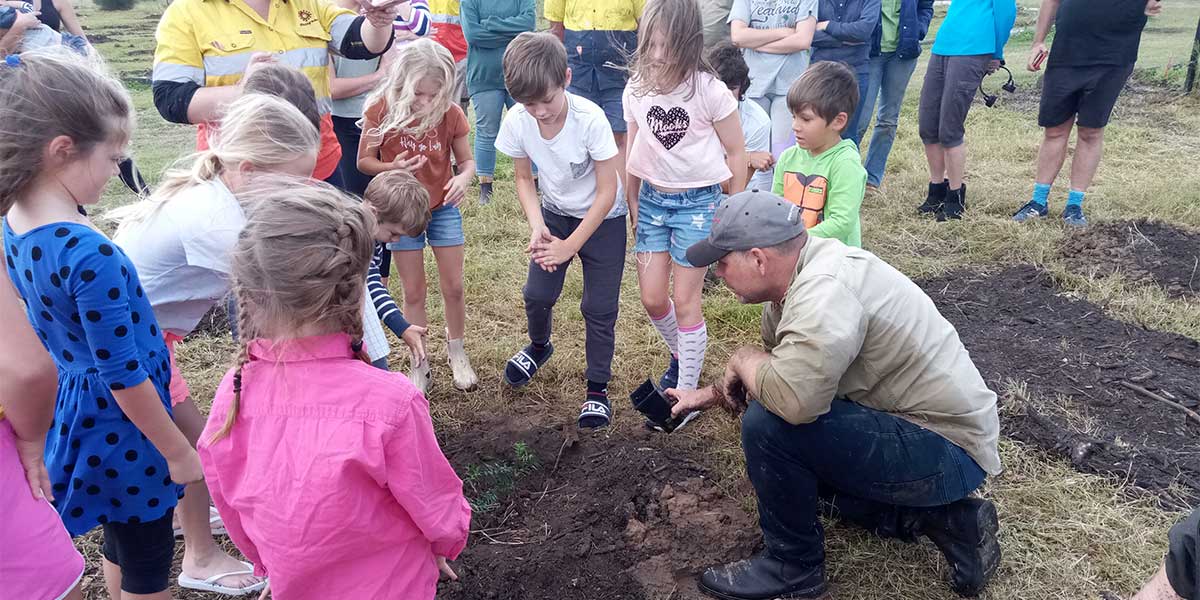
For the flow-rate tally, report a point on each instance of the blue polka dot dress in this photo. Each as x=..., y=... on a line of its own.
x=83, y=297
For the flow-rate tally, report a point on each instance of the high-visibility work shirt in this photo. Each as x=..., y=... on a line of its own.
x=447, y=27
x=210, y=42
x=603, y=15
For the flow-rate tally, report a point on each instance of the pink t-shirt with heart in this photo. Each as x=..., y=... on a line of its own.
x=676, y=144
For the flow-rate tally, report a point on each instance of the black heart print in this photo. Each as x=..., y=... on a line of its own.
x=669, y=126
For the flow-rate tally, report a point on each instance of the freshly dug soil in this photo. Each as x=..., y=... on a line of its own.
x=1148, y=251
x=627, y=516
x=1090, y=379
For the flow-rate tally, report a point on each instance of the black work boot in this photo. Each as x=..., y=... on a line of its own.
x=763, y=578
x=935, y=198
x=966, y=533
x=954, y=206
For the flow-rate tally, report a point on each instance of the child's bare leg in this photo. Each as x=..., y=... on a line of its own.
x=1158, y=588
x=202, y=557
x=112, y=579
x=654, y=282
x=410, y=268
x=450, y=279
x=76, y=593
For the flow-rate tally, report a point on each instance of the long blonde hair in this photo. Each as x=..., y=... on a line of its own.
x=49, y=93
x=301, y=260
x=421, y=59
x=683, y=37
x=257, y=129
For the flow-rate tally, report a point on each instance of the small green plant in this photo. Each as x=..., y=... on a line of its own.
x=491, y=482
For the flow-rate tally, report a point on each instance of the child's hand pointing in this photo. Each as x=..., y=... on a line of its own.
x=445, y=570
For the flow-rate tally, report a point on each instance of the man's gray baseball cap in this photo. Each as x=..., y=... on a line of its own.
x=752, y=219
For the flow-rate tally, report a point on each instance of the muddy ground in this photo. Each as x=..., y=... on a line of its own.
x=599, y=517
x=1112, y=397
x=1145, y=251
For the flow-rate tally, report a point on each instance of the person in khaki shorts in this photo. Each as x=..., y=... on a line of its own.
x=862, y=398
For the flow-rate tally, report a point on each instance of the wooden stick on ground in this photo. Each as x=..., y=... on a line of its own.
x=1149, y=394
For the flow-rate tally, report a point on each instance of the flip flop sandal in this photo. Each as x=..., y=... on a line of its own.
x=211, y=585
x=525, y=366
x=599, y=410
x=215, y=524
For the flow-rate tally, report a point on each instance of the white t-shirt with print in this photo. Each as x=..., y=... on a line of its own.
x=677, y=145
x=772, y=74
x=566, y=163
x=756, y=127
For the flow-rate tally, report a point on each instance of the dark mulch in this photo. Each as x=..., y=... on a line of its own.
x=1147, y=251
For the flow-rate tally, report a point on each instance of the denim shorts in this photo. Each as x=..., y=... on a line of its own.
x=672, y=222
x=445, y=229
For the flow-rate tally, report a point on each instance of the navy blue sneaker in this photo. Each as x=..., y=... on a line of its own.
x=1073, y=216
x=670, y=378
x=1031, y=210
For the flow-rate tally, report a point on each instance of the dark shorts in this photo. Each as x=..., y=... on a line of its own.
x=1087, y=93
x=946, y=97
x=143, y=551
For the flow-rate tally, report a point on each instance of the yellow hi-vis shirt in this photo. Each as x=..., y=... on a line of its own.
x=209, y=42
x=601, y=15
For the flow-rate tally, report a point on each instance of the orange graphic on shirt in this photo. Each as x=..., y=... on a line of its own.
x=807, y=192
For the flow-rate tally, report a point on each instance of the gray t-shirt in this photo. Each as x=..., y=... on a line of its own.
x=772, y=74
x=352, y=107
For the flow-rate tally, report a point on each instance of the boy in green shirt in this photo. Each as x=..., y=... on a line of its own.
x=823, y=173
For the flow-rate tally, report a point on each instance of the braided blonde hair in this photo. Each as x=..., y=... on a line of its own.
x=260, y=130
x=421, y=59
x=301, y=261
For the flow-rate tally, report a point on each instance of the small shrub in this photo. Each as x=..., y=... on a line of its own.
x=115, y=4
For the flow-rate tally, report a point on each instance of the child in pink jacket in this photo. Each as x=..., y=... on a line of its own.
x=325, y=470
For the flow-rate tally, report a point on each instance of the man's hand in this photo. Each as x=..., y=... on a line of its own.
x=456, y=190
x=1153, y=8
x=414, y=338
x=31, y=453
x=761, y=161
x=1037, y=54
x=687, y=401
x=993, y=66
x=444, y=570
x=556, y=27
x=378, y=16
x=554, y=252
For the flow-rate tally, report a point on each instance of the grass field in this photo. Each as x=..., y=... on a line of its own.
x=1064, y=534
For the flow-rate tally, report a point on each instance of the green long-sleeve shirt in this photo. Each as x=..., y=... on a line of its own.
x=832, y=184
x=489, y=26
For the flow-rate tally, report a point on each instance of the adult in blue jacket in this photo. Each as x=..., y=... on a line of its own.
x=895, y=47
x=844, y=30
x=969, y=45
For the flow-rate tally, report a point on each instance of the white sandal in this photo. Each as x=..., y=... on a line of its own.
x=211, y=585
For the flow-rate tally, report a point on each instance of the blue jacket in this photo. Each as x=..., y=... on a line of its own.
x=915, y=16
x=976, y=27
x=847, y=36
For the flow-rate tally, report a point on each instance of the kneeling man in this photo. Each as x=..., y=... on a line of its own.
x=864, y=401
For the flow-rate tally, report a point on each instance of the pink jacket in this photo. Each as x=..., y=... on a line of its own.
x=331, y=481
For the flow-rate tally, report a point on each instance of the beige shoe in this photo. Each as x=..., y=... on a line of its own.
x=460, y=366
x=420, y=375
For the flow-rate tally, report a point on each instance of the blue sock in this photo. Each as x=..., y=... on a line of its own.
x=1075, y=198
x=1041, y=193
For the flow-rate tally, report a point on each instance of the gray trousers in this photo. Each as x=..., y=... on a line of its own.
x=603, y=258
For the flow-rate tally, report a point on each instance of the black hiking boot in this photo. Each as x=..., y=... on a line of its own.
x=966, y=533
x=954, y=206
x=935, y=198
x=763, y=578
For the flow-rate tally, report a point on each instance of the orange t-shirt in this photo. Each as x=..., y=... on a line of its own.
x=437, y=146
x=327, y=156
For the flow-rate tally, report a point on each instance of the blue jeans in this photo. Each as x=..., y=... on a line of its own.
x=445, y=229
x=888, y=83
x=489, y=108
x=673, y=221
x=851, y=132
x=871, y=468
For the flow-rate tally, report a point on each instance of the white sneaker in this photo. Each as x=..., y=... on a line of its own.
x=460, y=366
x=420, y=375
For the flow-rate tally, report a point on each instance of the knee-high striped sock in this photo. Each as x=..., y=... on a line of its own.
x=668, y=328
x=693, y=343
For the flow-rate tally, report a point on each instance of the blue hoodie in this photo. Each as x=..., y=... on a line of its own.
x=974, y=27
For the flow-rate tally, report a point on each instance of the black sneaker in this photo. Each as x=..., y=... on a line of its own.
x=953, y=207
x=762, y=578
x=935, y=198
x=966, y=533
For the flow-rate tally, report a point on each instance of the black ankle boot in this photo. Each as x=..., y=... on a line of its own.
x=935, y=198
x=953, y=207
x=966, y=533
x=763, y=578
